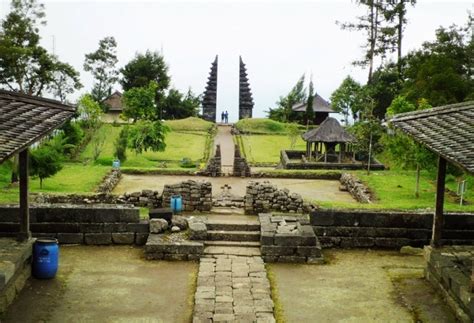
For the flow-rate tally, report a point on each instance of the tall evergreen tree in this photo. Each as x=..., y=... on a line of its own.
x=309, y=104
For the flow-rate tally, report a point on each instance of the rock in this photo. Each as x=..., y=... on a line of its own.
x=408, y=250
x=175, y=228
x=158, y=225
x=197, y=231
x=180, y=221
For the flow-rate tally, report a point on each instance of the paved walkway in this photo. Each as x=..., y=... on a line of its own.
x=224, y=138
x=233, y=288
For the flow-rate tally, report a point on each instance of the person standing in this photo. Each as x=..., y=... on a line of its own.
x=222, y=116
x=226, y=116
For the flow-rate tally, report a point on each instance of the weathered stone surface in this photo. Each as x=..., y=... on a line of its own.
x=180, y=221
x=98, y=238
x=141, y=238
x=71, y=238
x=197, y=231
x=123, y=238
x=158, y=225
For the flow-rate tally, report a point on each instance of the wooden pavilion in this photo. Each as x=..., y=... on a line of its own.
x=24, y=120
x=448, y=131
x=321, y=109
x=321, y=142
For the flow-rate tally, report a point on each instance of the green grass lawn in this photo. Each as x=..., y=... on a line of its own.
x=395, y=189
x=73, y=178
x=266, y=148
x=190, y=144
x=261, y=126
x=189, y=124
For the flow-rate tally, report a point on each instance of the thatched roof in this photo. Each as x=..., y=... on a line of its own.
x=25, y=119
x=328, y=131
x=447, y=131
x=114, y=102
x=319, y=105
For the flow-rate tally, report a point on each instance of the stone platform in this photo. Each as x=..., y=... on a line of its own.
x=15, y=269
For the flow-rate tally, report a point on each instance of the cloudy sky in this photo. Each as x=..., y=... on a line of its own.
x=278, y=40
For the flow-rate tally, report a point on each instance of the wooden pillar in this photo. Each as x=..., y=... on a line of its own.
x=310, y=145
x=307, y=149
x=25, y=232
x=340, y=152
x=438, y=220
x=325, y=153
x=316, y=146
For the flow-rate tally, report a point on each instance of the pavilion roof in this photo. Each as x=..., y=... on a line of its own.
x=25, y=119
x=319, y=105
x=447, y=131
x=328, y=131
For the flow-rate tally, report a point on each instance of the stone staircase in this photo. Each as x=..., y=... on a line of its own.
x=232, y=234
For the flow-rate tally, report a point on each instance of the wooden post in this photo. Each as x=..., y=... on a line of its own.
x=438, y=220
x=325, y=153
x=25, y=232
x=316, y=146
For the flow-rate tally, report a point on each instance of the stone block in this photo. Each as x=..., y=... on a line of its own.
x=115, y=227
x=292, y=259
x=175, y=256
x=141, y=238
x=123, y=237
x=141, y=227
x=92, y=227
x=357, y=242
x=71, y=238
x=278, y=250
x=55, y=227
x=98, y=238
x=158, y=225
x=287, y=239
x=266, y=238
x=197, y=231
x=308, y=251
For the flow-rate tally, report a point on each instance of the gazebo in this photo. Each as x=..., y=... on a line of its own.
x=24, y=120
x=321, y=109
x=321, y=142
x=448, y=131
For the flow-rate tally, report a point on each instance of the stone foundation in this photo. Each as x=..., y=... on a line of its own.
x=356, y=188
x=196, y=196
x=109, y=181
x=265, y=197
x=174, y=246
x=288, y=239
x=449, y=270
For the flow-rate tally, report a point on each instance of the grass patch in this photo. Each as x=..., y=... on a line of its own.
x=395, y=190
x=278, y=306
x=261, y=126
x=178, y=146
x=300, y=173
x=189, y=124
x=266, y=148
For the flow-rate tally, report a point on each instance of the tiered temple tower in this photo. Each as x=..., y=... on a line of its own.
x=245, y=95
x=209, y=99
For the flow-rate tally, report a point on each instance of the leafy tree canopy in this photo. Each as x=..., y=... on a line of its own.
x=147, y=135
x=284, y=112
x=139, y=103
x=347, y=98
x=179, y=106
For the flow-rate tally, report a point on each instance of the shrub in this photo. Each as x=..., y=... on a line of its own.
x=186, y=163
x=120, y=145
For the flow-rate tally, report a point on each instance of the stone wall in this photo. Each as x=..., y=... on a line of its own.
x=162, y=246
x=449, y=270
x=356, y=188
x=196, y=195
x=288, y=239
x=109, y=182
x=73, y=224
x=263, y=197
x=213, y=167
x=387, y=229
x=241, y=167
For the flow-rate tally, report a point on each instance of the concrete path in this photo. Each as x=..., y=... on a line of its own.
x=233, y=288
x=224, y=138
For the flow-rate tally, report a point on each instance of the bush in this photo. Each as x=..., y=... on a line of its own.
x=120, y=145
x=186, y=163
x=104, y=161
x=73, y=134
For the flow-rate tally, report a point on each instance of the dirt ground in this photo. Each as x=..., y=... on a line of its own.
x=310, y=189
x=108, y=284
x=358, y=286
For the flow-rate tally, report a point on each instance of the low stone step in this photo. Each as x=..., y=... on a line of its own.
x=232, y=251
x=216, y=225
x=233, y=243
x=227, y=211
x=233, y=235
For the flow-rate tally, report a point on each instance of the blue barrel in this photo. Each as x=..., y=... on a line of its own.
x=176, y=203
x=116, y=164
x=45, y=258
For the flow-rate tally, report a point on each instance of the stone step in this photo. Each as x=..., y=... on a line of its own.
x=233, y=235
x=233, y=243
x=222, y=225
x=232, y=251
x=226, y=211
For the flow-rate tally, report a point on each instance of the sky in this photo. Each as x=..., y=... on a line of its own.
x=278, y=40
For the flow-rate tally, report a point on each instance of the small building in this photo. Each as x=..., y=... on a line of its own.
x=114, y=104
x=321, y=109
x=321, y=142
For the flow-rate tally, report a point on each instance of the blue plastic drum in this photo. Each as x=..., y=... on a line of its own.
x=176, y=203
x=45, y=258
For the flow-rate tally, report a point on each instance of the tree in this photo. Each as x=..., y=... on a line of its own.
x=178, y=106
x=89, y=111
x=121, y=144
x=309, y=114
x=147, y=135
x=101, y=64
x=45, y=162
x=143, y=69
x=139, y=103
x=346, y=98
x=284, y=110
x=25, y=66
x=65, y=80
x=293, y=133
x=402, y=150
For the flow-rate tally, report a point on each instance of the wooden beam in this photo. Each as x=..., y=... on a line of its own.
x=25, y=232
x=438, y=220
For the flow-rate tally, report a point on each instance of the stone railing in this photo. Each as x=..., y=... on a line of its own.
x=356, y=188
x=265, y=197
x=241, y=167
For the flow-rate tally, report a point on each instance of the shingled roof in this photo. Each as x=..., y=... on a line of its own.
x=328, y=131
x=319, y=105
x=25, y=119
x=447, y=131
